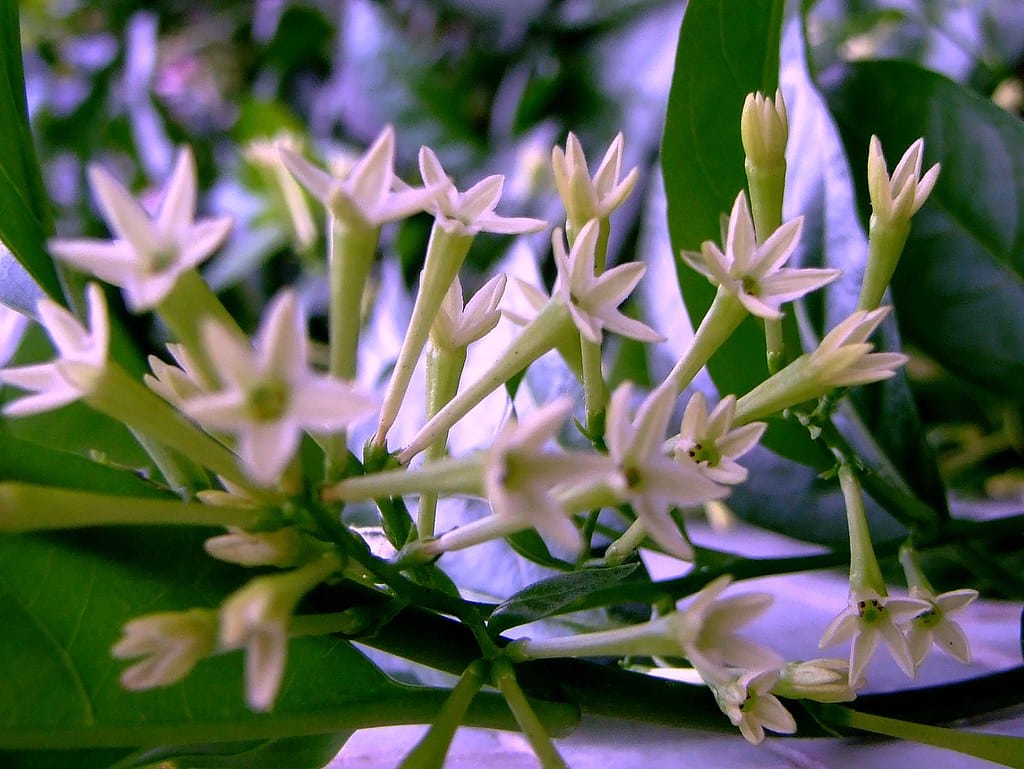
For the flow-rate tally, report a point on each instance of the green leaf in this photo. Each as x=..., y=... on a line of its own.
x=294, y=752
x=556, y=595
x=959, y=287
x=726, y=50
x=24, y=205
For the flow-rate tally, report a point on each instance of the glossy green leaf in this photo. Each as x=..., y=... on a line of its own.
x=312, y=752
x=23, y=200
x=726, y=50
x=556, y=595
x=959, y=287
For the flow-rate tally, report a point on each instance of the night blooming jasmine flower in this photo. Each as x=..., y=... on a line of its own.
x=704, y=632
x=593, y=299
x=270, y=395
x=256, y=617
x=170, y=643
x=754, y=273
x=821, y=680
x=283, y=548
x=148, y=254
x=749, y=703
x=457, y=326
x=585, y=198
x=869, y=617
x=81, y=358
x=650, y=480
x=175, y=384
x=471, y=212
x=366, y=197
x=265, y=154
x=708, y=440
x=901, y=195
x=934, y=626
x=843, y=359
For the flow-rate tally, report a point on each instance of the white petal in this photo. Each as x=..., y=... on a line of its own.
x=950, y=637
x=662, y=529
x=738, y=442
x=202, y=239
x=320, y=184
x=281, y=342
x=107, y=260
x=178, y=207
x=264, y=667
x=897, y=643
x=504, y=225
x=956, y=600
x=741, y=241
x=324, y=404
x=370, y=179
x=863, y=650
x=233, y=358
x=785, y=285
x=481, y=198
x=267, y=447
x=123, y=213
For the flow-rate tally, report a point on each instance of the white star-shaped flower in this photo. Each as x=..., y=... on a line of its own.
x=81, y=358
x=868, y=618
x=521, y=475
x=754, y=273
x=650, y=480
x=457, y=326
x=270, y=395
x=366, y=197
x=148, y=254
x=585, y=198
x=901, y=195
x=749, y=703
x=175, y=384
x=593, y=300
x=470, y=212
x=934, y=626
x=170, y=643
x=705, y=630
x=709, y=442
x=12, y=329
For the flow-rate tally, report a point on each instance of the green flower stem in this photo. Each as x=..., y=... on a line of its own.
x=350, y=257
x=182, y=475
x=393, y=705
x=124, y=399
x=619, y=550
x=449, y=476
x=767, y=185
x=342, y=622
x=189, y=305
x=446, y=252
x=504, y=677
x=912, y=570
x=864, y=570
x=431, y=751
x=444, y=370
x=595, y=390
x=885, y=246
x=722, y=318
x=26, y=507
x=644, y=639
x=794, y=384
x=999, y=748
x=775, y=345
x=536, y=338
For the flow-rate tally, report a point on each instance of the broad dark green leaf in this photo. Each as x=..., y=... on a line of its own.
x=293, y=752
x=24, y=206
x=726, y=50
x=556, y=595
x=958, y=289
x=64, y=599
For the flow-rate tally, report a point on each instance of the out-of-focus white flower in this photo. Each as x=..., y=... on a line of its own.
x=366, y=196
x=934, y=626
x=270, y=395
x=898, y=197
x=175, y=384
x=754, y=273
x=148, y=254
x=868, y=618
x=81, y=358
x=749, y=703
x=587, y=198
x=282, y=548
x=470, y=212
x=843, y=359
x=170, y=643
x=709, y=442
x=593, y=300
x=521, y=475
x=456, y=326
x=650, y=480
x=256, y=618
x=12, y=328
x=266, y=153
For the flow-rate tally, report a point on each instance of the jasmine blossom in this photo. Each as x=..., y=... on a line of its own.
x=170, y=644
x=711, y=443
x=749, y=703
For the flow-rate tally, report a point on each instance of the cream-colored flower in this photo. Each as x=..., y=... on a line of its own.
x=821, y=680
x=749, y=703
x=81, y=358
x=709, y=442
x=764, y=129
x=170, y=643
x=754, y=273
x=933, y=626
x=282, y=548
x=898, y=197
x=587, y=198
x=175, y=384
x=148, y=254
x=457, y=326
